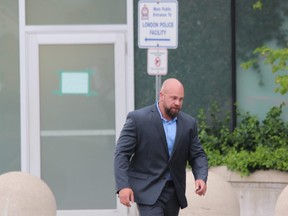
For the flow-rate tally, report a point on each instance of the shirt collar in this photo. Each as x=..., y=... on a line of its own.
x=173, y=120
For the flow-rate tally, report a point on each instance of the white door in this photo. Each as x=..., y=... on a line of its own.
x=76, y=95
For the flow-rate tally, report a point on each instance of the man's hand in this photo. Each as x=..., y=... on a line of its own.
x=200, y=187
x=126, y=196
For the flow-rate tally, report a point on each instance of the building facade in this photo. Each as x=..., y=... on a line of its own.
x=71, y=70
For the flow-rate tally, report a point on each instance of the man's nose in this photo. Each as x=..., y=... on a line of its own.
x=177, y=102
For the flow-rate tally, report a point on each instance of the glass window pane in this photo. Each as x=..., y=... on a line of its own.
x=75, y=12
x=89, y=110
x=77, y=120
x=9, y=87
x=78, y=169
x=255, y=28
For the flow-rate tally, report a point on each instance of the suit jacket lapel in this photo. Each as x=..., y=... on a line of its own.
x=178, y=133
x=159, y=127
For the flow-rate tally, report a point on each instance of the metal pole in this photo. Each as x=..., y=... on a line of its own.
x=157, y=86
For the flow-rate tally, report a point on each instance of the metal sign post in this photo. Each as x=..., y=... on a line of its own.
x=158, y=86
x=157, y=31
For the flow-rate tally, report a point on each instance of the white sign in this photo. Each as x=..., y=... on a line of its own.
x=158, y=24
x=75, y=83
x=157, y=61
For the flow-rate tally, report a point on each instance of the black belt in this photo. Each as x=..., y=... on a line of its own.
x=169, y=183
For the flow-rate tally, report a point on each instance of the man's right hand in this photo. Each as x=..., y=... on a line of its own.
x=126, y=196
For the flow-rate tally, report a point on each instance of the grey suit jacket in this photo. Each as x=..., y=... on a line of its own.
x=142, y=160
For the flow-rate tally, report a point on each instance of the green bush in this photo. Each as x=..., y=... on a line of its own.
x=252, y=145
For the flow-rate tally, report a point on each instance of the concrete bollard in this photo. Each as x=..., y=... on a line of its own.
x=26, y=195
x=220, y=198
x=281, y=208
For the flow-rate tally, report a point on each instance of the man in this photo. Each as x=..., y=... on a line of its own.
x=152, y=152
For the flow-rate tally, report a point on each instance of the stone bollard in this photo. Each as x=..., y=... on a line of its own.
x=26, y=195
x=281, y=208
x=220, y=198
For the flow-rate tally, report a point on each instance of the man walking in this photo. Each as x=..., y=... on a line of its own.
x=152, y=153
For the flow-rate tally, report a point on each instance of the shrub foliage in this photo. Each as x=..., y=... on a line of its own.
x=252, y=145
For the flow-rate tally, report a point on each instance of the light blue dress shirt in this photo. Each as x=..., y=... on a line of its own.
x=170, y=128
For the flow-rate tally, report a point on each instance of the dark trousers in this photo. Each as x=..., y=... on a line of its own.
x=166, y=205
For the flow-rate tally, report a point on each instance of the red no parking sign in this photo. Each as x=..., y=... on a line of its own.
x=157, y=61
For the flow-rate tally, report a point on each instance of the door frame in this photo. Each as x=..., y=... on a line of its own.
x=27, y=35
x=31, y=145
x=32, y=85
x=25, y=31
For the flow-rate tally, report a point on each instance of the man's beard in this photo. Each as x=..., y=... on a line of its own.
x=172, y=113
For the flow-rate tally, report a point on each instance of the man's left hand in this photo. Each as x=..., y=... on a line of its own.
x=200, y=187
